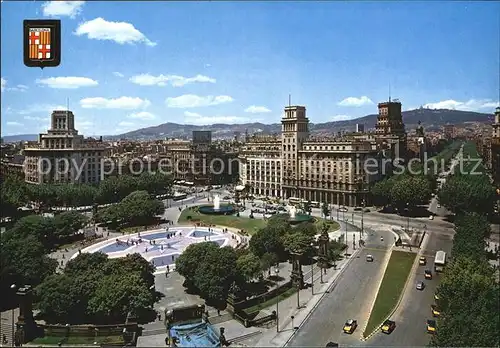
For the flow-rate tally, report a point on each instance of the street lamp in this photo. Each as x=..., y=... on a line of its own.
x=276, y=272
x=362, y=213
x=312, y=273
x=407, y=217
x=14, y=288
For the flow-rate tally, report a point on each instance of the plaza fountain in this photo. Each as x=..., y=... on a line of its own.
x=296, y=218
x=216, y=208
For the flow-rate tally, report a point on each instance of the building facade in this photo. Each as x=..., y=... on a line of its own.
x=62, y=155
x=337, y=170
x=495, y=148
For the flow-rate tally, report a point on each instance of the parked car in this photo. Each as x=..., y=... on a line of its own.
x=422, y=261
x=388, y=326
x=431, y=326
x=369, y=258
x=435, y=311
x=428, y=274
x=350, y=326
x=420, y=285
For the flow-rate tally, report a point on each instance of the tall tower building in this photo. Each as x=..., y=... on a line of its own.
x=390, y=118
x=496, y=124
x=294, y=132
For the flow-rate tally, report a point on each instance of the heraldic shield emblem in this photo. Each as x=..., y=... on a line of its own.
x=42, y=43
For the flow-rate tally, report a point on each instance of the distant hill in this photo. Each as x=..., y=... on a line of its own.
x=430, y=118
x=19, y=137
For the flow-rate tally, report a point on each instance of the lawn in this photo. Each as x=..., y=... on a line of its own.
x=83, y=340
x=248, y=225
x=334, y=225
x=270, y=302
x=396, y=274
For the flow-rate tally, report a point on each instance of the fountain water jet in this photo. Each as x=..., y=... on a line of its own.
x=293, y=212
x=216, y=202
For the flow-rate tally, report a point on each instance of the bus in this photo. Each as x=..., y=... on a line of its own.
x=439, y=261
x=178, y=196
x=294, y=200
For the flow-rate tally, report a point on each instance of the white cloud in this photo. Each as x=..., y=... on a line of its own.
x=174, y=80
x=470, y=105
x=67, y=82
x=118, y=74
x=116, y=103
x=341, y=118
x=257, y=109
x=18, y=88
x=62, y=8
x=126, y=124
x=119, y=32
x=198, y=119
x=14, y=124
x=37, y=118
x=143, y=115
x=194, y=101
x=354, y=101
x=40, y=108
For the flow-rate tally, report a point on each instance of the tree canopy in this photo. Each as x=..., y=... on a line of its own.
x=403, y=190
x=95, y=289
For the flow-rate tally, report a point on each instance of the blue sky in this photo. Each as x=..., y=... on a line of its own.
x=128, y=65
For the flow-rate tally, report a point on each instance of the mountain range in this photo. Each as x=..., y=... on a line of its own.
x=430, y=118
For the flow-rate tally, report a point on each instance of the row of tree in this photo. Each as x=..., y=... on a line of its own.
x=138, y=208
x=403, y=191
x=468, y=295
x=211, y=271
x=96, y=289
x=25, y=247
x=16, y=193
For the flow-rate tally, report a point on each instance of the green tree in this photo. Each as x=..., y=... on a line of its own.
x=411, y=190
x=307, y=228
x=42, y=228
x=13, y=194
x=325, y=210
x=467, y=193
x=267, y=261
x=381, y=192
x=189, y=261
x=471, y=230
x=280, y=223
x=248, y=266
x=475, y=324
x=298, y=243
x=68, y=223
x=139, y=208
x=266, y=240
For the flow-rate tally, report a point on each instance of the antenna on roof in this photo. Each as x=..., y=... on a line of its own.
x=389, y=92
x=289, y=100
x=67, y=104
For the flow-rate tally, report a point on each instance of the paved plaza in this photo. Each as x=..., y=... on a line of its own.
x=162, y=246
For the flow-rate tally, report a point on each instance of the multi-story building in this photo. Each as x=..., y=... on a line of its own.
x=495, y=148
x=336, y=170
x=62, y=155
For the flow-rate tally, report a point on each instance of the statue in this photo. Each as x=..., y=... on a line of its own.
x=420, y=129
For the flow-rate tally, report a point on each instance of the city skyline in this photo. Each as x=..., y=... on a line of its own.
x=203, y=63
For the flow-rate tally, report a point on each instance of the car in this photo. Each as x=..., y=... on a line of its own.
x=388, y=326
x=422, y=261
x=366, y=210
x=431, y=326
x=369, y=258
x=428, y=274
x=350, y=326
x=436, y=297
x=431, y=217
x=358, y=209
x=435, y=311
x=420, y=285
x=332, y=344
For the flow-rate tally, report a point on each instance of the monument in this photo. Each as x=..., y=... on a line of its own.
x=297, y=276
x=217, y=208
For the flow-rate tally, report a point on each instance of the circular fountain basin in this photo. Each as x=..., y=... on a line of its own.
x=299, y=218
x=224, y=209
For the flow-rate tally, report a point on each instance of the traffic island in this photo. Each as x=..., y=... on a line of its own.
x=391, y=289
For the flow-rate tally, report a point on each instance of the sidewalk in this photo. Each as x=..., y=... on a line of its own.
x=308, y=302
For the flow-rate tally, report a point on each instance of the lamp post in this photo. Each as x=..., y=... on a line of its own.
x=312, y=273
x=14, y=288
x=407, y=217
x=362, y=213
x=276, y=272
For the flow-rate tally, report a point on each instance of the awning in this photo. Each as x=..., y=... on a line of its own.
x=240, y=188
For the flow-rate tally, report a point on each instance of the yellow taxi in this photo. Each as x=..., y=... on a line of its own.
x=388, y=326
x=431, y=326
x=422, y=261
x=435, y=311
x=350, y=326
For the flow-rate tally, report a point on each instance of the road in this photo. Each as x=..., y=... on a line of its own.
x=414, y=310
x=350, y=299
